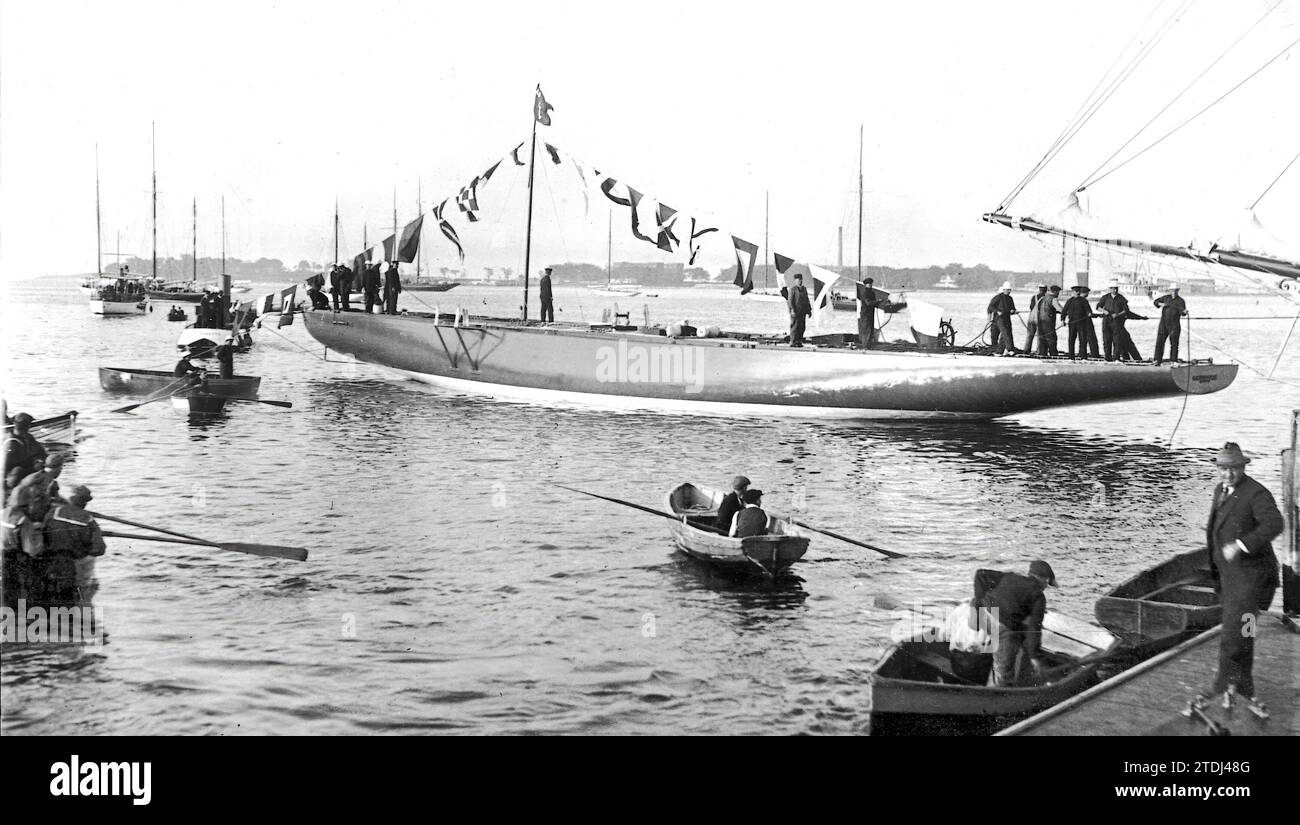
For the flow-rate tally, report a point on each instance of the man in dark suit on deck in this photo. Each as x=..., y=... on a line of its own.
x=1243, y=522
x=800, y=309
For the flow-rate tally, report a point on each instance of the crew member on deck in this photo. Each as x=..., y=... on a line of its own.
x=336, y=286
x=867, y=304
x=731, y=503
x=751, y=521
x=1078, y=314
x=1094, y=349
x=800, y=309
x=392, y=288
x=1114, y=309
x=1000, y=310
x=370, y=283
x=1047, y=309
x=345, y=286
x=1032, y=323
x=1172, y=309
x=544, y=294
x=71, y=534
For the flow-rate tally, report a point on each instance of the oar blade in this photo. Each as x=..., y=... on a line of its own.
x=262, y=401
x=271, y=550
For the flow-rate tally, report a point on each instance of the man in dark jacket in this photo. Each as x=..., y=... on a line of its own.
x=1019, y=605
x=22, y=450
x=867, y=303
x=336, y=286
x=226, y=360
x=1172, y=310
x=1047, y=308
x=345, y=285
x=1078, y=314
x=392, y=288
x=1243, y=522
x=1032, y=323
x=731, y=503
x=800, y=309
x=544, y=295
x=1000, y=310
x=370, y=283
x=752, y=520
x=1114, y=309
x=70, y=535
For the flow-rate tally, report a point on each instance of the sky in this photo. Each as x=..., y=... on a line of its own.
x=283, y=108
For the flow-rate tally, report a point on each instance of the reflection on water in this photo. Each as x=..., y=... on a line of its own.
x=454, y=588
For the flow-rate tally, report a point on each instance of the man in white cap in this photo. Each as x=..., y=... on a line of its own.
x=1172, y=309
x=1243, y=522
x=1114, y=309
x=1000, y=310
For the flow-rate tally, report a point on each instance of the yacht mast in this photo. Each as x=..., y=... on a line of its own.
x=860, y=132
x=99, y=252
x=153, y=153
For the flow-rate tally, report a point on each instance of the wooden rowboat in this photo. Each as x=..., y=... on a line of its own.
x=698, y=509
x=147, y=382
x=1164, y=604
x=54, y=431
x=913, y=690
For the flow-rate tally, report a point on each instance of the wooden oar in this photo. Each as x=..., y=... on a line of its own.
x=263, y=401
x=272, y=550
x=650, y=510
x=880, y=550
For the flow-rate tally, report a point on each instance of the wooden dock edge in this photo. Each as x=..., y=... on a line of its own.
x=1113, y=682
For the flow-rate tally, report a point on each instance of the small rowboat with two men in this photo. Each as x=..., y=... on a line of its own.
x=1164, y=604
x=697, y=536
x=148, y=382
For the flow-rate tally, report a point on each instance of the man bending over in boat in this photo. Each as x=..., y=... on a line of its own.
x=185, y=367
x=751, y=521
x=731, y=502
x=70, y=535
x=1019, y=604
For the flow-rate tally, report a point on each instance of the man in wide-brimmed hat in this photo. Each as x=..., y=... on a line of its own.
x=1244, y=520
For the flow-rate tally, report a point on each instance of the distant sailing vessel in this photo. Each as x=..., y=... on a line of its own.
x=735, y=374
x=123, y=295
x=947, y=282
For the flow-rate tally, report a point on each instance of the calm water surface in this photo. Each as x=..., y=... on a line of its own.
x=451, y=589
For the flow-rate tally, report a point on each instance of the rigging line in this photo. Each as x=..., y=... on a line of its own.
x=1216, y=101
x=1187, y=390
x=1258, y=372
x=1175, y=99
x=1119, y=80
x=1093, y=107
x=1275, y=180
x=1006, y=201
